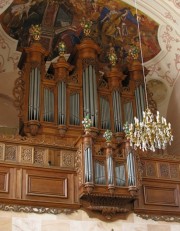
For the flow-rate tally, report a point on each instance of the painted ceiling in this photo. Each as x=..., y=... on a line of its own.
x=114, y=24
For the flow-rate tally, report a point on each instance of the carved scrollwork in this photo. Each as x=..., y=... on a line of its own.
x=10, y=152
x=88, y=62
x=139, y=170
x=78, y=164
x=159, y=218
x=18, y=92
x=67, y=159
x=30, y=209
x=73, y=78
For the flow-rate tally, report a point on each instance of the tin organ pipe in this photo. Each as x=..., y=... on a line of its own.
x=45, y=108
x=120, y=175
x=84, y=93
x=87, y=91
x=95, y=97
x=90, y=94
x=102, y=112
x=118, y=112
x=139, y=103
x=142, y=99
x=61, y=103
x=115, y=111
x=35, y=95
x=91, y=90
x=131, y=170
x=64, y=102
x=88, y=165
x=110, y=170
x=73, y=108
x=99, y=173
x=128, y=112
x=30, y=96
x=78, y=122
x=38, y=95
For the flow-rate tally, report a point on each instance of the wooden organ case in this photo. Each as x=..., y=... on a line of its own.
x=54, y=163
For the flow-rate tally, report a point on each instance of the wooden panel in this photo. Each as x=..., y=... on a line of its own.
x=7, y=182
x=46, y=186
x=161, y=195
x=4, y=181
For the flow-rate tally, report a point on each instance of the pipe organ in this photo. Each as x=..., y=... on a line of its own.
x=56, y=103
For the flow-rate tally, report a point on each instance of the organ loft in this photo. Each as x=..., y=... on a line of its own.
x=71, y=152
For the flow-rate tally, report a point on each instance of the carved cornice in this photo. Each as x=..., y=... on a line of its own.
x=160, y=218
x=30, y=209
x=42, y=141
x=158, y=155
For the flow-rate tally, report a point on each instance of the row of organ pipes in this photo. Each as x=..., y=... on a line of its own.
x=103, y=114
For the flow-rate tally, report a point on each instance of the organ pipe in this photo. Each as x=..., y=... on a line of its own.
x=117, y=111
x=61, y=103
x=90, y=94
x=131, y=169
x=34, y=94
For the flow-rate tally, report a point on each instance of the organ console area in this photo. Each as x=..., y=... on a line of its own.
x=55, y=163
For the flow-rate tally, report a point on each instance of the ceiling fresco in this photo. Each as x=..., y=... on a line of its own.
x=114, y=24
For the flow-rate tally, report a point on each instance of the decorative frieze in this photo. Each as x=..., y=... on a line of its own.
x=67, y=159
x=11, y=153
x=2, y=146
x=30, y=209
x=40, y=156
x=159, y=217
x=27, y=154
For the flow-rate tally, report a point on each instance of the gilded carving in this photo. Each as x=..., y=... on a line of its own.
x=27, y=154
x=30, y=209
x=18, y=92
x=40, y=156
x=11, y=152
x=67, y=159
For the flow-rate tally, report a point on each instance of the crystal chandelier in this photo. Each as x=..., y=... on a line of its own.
x=153, y=131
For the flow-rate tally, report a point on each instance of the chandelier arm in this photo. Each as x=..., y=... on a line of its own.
x=141, y=52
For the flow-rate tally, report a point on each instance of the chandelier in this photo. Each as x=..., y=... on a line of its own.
x=153, y=131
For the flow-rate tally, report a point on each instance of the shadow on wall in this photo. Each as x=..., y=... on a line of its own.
x=9, y=121
x=173, y=116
